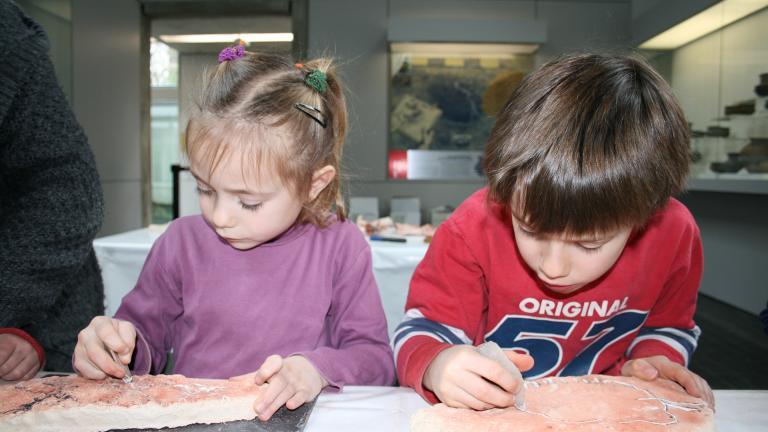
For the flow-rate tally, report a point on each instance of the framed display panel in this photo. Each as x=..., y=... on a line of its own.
x=443, y=99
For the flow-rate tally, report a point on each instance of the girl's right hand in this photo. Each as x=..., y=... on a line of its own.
x=92, y=360
x=461, y=377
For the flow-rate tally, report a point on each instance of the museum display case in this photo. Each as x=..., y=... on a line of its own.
x=721, y=80
x=443, y=99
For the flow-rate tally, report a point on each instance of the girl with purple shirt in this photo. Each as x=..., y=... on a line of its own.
x=271, y=283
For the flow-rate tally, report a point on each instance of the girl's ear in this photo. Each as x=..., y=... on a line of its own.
x=320, y=179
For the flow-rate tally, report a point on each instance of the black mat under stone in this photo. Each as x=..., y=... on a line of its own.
x=284, y=420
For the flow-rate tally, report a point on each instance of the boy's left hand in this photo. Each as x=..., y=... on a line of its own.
x=291, y=382
x=650, y=368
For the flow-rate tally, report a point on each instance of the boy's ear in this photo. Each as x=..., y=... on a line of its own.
x=320, y=179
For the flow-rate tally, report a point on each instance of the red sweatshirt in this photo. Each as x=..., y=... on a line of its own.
x=473, y=286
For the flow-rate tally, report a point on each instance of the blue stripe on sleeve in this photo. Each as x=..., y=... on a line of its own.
x=423, y=325
x=688, y=339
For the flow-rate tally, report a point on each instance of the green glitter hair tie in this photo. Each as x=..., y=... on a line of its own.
x=317, y=80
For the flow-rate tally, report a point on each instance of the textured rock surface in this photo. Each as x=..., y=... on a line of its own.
x=77, y=404
x=588, y=403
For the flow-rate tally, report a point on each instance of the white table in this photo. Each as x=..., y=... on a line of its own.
x=393, y=266
x=388, y=409
x=121, y=257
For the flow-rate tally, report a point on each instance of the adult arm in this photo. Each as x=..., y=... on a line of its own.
x=50, y=197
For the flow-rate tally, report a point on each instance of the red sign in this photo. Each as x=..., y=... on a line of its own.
x=398, y=164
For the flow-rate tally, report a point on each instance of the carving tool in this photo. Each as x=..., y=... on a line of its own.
x=127, y=378
x=494, y=352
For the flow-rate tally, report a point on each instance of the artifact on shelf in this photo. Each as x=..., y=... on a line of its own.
x=439, y=214
x=457, y=99
x=746, y=107
x=757, y=167
x=499, y=91
x=732, y=165
x=386, y=226
x=695, y=156
x=762, y=88
x=414, y=118
x=754, y=155
x=718, y=131
x=756, y=147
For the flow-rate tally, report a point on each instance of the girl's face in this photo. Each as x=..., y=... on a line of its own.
x=566, y=264
x=245, y=212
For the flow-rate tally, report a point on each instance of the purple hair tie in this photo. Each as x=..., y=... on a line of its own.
x=231, y=53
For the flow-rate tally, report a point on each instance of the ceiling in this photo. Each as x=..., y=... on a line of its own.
x=176, y=17
x=211, y=8
x=220, y=25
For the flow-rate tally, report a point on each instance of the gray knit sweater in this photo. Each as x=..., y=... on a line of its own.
x=50, y=199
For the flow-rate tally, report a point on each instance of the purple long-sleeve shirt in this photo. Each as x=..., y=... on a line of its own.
x=223, y=311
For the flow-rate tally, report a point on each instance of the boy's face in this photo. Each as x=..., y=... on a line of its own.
x=566, y=264
x=244, y=212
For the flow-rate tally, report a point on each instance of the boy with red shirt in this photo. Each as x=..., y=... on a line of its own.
x=575, y=254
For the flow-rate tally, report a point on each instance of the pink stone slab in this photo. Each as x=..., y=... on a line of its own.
x=588, y=403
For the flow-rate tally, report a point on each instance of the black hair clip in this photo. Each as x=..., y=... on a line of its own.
x=313, y=112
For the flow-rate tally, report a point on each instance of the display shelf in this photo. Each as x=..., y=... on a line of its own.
x=734, y=183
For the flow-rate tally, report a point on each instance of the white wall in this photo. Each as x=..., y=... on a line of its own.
x=696, y=79
x=192, y=68
x=584, y=25
x=735, y=237
x=106, y=96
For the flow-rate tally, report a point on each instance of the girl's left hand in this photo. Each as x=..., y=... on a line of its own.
x=291, y=381
x=650, y=368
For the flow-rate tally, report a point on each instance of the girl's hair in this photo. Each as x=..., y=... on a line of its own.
x=244, y=97
x=588, y=144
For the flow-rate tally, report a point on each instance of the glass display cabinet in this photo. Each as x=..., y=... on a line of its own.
x=721, y=80
x=443, y=99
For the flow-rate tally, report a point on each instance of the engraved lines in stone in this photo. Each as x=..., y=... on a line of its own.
x=666, y=404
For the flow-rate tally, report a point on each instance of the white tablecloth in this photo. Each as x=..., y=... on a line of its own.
x=388, y=409
x=121, y=257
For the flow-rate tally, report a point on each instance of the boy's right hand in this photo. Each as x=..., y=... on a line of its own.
x=92, y=360
x=463, y=378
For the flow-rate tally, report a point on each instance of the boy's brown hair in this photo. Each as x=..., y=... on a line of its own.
x=244, y=97
x=588, y=144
